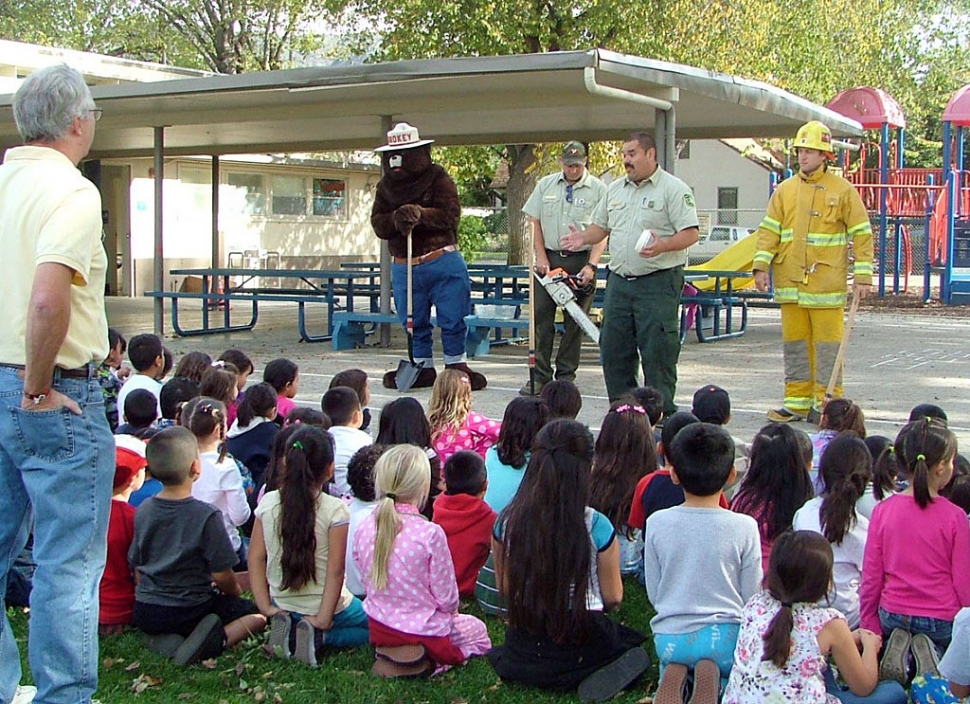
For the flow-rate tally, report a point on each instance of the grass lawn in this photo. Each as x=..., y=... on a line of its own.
x=129, y=672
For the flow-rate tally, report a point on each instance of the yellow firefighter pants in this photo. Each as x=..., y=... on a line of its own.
x=811, y=339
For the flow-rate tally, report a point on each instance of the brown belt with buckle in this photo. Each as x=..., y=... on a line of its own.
x=79, y=373
x=429, y=257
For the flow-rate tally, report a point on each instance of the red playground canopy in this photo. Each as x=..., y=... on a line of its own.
x=873, y=107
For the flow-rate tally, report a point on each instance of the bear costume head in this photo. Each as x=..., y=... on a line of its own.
x=406, y=164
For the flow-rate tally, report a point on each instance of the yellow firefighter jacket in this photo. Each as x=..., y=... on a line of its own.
x=805, y=238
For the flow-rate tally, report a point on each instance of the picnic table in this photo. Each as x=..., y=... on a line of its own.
x=335, y=288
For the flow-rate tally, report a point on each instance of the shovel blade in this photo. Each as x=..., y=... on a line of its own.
x=407, y=374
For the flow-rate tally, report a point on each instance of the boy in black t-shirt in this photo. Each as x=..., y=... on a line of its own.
x=180, y=548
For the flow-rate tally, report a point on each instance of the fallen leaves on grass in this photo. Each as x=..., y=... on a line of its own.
x=143, y=682
x=108, y=663
x=133, y=666
x=210, y=664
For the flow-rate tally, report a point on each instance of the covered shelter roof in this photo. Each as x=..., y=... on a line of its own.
x=590, y=95
x=958, y=109
x=872, y=107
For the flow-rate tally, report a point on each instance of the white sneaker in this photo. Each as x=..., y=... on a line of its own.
x=24, y=695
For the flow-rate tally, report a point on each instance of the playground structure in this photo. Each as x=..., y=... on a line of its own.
x=920, y=214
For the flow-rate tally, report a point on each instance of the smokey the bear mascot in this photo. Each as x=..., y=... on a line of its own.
x=418, y=196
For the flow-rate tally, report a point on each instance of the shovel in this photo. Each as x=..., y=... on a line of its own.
x=408, y=369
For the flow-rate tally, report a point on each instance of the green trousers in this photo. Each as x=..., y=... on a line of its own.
x=641, y=328
x=567, y=357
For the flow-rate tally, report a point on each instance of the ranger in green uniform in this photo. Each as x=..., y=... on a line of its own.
x=641, y=324
x=560, y=200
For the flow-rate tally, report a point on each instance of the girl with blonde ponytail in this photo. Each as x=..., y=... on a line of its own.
x=407, y=571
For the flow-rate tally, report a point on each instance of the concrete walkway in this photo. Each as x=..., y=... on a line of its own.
x=895, y=361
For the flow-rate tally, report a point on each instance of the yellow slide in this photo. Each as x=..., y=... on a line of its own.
x=737, y=257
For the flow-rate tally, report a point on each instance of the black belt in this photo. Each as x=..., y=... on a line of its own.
x=643, y=276
x=565, y=254
x=59, y=372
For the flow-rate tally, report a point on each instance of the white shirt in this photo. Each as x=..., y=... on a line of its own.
x=221, y=485
x=139, y=381
x=847, y=570
x=346, y=442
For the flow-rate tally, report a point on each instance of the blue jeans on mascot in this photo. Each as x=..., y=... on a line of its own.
x=56, y=471
x=444, y=284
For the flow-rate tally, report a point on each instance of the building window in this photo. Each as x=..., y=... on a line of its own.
x=329, y=197
x=289, y=195
x=251, y=186
x=727, y=206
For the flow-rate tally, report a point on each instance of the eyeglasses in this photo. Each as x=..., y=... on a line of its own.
x=96, y=113
x=569, y=194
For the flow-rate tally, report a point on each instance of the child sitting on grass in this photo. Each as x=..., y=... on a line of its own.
x=180, y=549
x=342, y=405
x=465, y=516
x=360, y=476
x=701, y=564
x=296, y=557
x=454, y=425
x=787, y=637
x=117, y=593
x=412, y=594
x=284, y=376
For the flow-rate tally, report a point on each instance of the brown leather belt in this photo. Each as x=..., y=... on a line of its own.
x=79, y=373
x=429, y=257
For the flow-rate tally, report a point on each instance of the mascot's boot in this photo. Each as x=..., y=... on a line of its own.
x=477, y=379
x=425, y=379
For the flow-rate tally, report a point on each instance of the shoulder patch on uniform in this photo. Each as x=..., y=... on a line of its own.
x=689, y=200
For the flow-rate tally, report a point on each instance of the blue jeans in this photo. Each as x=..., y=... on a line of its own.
x=443, y=283
x=886, y=692
x=938, y=630
x=349, y=628
x=715, y=642
x=56, y=468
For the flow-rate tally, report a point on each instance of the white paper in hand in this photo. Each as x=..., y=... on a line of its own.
x=646, y=239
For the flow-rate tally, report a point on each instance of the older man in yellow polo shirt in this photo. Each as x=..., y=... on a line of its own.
x=56, y=449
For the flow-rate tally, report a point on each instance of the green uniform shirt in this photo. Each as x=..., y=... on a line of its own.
x=662, y=203
x=549, y=205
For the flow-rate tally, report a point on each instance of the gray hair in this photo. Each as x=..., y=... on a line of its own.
x=48, y=101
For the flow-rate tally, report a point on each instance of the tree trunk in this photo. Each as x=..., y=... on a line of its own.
x=522, y=180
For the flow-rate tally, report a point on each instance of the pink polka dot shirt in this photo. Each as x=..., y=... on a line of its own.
x=421, y=596
x=477, y=434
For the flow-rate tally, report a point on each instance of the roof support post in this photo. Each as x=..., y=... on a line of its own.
x=665, y=136
x=385, y=258
x=158, y=265
x=216, y=258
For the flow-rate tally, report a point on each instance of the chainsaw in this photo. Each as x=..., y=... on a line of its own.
x=557, y=284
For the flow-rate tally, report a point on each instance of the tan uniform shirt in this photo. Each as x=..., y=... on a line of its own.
x=662, y=203
x=550, y=206
x=49, y=212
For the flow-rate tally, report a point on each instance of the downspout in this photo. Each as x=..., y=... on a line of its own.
x=589, y=79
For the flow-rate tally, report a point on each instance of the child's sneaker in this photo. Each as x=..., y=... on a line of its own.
x=924, y=653
x=24, y=695
x=673, y=685
x=165, y=644
x=279, y=635
x=707, y=683
x=306, y=650
x=611, y=679
x=207, y=640
x=895, y=657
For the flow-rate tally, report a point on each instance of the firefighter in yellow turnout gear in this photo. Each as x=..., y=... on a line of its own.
x=812, y=219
